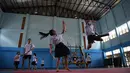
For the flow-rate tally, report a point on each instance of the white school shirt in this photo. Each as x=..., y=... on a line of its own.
x=18, y=58
x=90, y=30
x=35, y=59
x=56, y=39
x=42, y=61
x=28, y=47
x=88, y=58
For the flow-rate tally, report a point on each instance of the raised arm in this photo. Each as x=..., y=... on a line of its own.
x=64, y=28
x=51, y=44
x=50, y=48
x=16, y=57
x=33, y=46
x=94, y=28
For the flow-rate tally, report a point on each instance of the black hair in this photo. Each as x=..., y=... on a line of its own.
x=46, y=34
x=88, y=54
x=29, y=38
x=18, y=52
x=34, y=54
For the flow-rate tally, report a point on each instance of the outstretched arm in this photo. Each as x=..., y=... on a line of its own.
x=94, y=28
x=33, y=46
x=96, y=33
x=16, y=57
x=63, y=31
x=64, y=28
x=50, y=48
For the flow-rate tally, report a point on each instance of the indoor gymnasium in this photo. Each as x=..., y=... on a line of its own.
x=64, y=36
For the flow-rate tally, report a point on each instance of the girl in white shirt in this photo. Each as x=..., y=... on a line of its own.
x=61, y=50
x=88, y=60
x=42, y=64
x=92, y=35
x=34, y=62
x=16, y=60
x=28, y=53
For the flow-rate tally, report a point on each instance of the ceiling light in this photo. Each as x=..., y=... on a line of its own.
x=36, y=12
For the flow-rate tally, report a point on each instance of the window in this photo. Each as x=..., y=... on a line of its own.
x=112, y=34
x=105, y=39
x=128, y=23
x=116, y=51
x=108, y=53
x=122, y=29
x=126, y=49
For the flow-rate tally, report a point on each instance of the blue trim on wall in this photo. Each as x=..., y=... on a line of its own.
x=93, y=50
x=96, y=57
x=7, y=54
x=119, y=46
x=125, y=44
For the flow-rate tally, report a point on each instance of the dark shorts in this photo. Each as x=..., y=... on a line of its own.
x=77, y=63
x=92, y=38
x=88, y=62
x=27, y=56
x=61, y=50
x=42, y=64
x=34, y=63
x=75, y=58
x=16, y=62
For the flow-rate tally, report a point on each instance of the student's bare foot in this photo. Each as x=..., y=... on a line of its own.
x=67, y=69
x=57, y=70
x=23, y=68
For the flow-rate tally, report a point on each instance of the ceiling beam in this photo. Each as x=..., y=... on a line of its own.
x=62, y=10
x=92, y=8
x=87, y=7
x=96, y=8
x=37, y=8
x=78, y=5
x=73, y=8
x=27, y=2
x=5, y=4
x=104, y=12
x=16, y=3
x=55, y=7
x=46, y=5
x=100, y=11
x=83, y=6
x=52, y=8
x=101, y=3
x=1, y=6
x=69, y=4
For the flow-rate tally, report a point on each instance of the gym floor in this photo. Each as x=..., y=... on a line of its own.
x=23, y=19
x=102, y=70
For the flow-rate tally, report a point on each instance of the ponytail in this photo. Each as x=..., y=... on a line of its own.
x=43, y=35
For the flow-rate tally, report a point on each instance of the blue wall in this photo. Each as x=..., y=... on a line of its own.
x=97, y=58
x=116, y=17
x=7, y=54
x=11, y=29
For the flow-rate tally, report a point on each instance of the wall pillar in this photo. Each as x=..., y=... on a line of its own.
x=81, y=34
x=112, y=58
x=126, y=18
x=1, y=19
x=118, y=37
x=26, y=29
x=54, y=22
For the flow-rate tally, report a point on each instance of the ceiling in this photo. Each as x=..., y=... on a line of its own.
x=85, y=9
